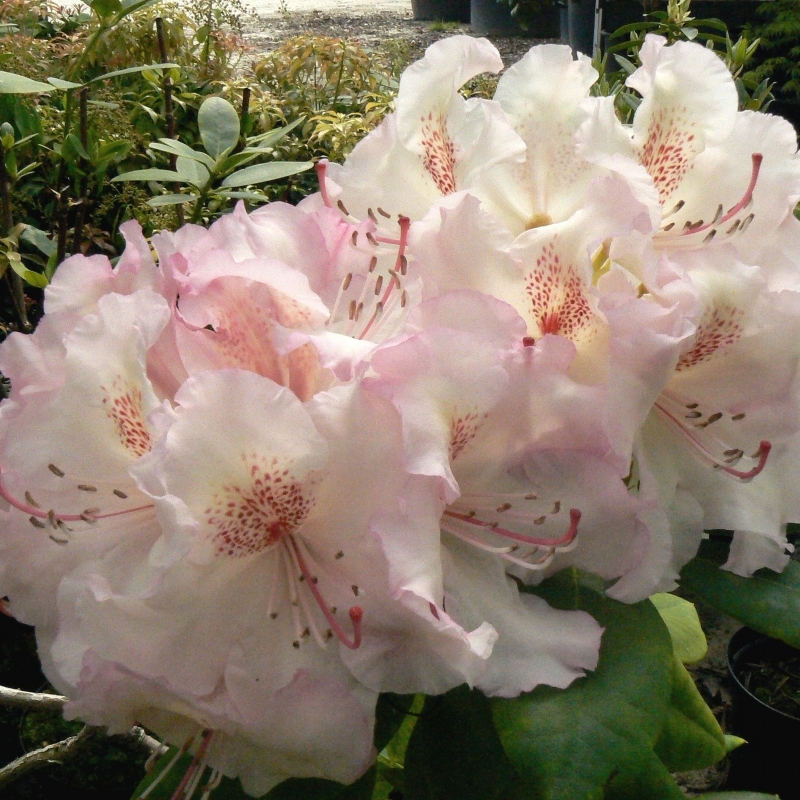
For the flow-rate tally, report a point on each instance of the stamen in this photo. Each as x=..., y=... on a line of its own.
x=322, y=172
x=356, y=612
x=55, y=470
x=30, y=500
x=214, y=781
x=174, y=760
x=567, y=538
x=384, y=213
x=205, y=741
x=343, y=208
x=747, y=197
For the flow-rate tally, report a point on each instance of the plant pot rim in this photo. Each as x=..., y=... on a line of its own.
x=748, y=640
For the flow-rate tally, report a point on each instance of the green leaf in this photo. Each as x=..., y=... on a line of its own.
x=268, y=139
x=192, y=171
x=692, y=737
x=62, y=84
x=170, y=200
x=254, y=196
x=148, y=175
x=219, y=126
x=261, y=173
x=732, y=742
x=11, y=83
x=39, y=239
x=454, y=751
x=680, y=617
x=29, y=276
x=595, y=739
x=769, y=602
x=105, y=8
x=174, y=147
x=131, y=70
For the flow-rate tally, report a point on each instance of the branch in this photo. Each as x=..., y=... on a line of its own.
x=53, y=752
x=31, y=700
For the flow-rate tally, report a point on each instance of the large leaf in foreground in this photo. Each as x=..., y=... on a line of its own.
x=769, y=602
x=596, y=739
x=454, y=751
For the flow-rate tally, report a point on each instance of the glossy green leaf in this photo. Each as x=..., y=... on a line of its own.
x=29, y=276
x=148, y=175
x=261, y=173
x=268, y=139
x=170, y=200
x=219, y=126
x=595, y=739
x=769, y=602
x=454, y=751
x=11, y=83
x=174, y=147
x=692, y=737
x=192, y=171
x=105, y=8
x=680, y=617
x=131, y=70
x=59, y=83
x=39, y=239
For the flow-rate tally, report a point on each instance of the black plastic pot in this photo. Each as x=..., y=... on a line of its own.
x=490, y=18
x=445, y=10
x=768, y=762
x=581, y=26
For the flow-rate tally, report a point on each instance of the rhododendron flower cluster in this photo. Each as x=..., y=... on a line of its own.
x=310, y=454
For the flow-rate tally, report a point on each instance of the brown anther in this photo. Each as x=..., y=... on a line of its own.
x=556, y=507
x=373, y=262
x=340, y=554
x=709, y=236
x=87, y=518
x=737, y=417
x=714, y=417
x=119, y=493
x=354, y=238
x=384, y=213
x=62, y=526
x=531, y=496
x=37, y=523
x=296, y=644
x=328, y=635
x=301, y=578
x=371, y=215
x=86, y=487
x=718, y=215
x=30, y=501
x=273, y=615
x=403, y=299
x=59, y=541
x=746, y=222
x=51, y=518
x=693, y=415
x=371, y=239
x=334, y=609
x=378, y=285
x=668, y=227
x=355, y=590
x=403, y=265
x=91, y=511
x=343, y=208
x=692, y=405
x=503, y=507
x=378, y=309
x=539, y=520
x=733, y=228
x=314, y=580
x=351, y=314
x=55, y=470
x=346, y=281
x=470, y=514
x=306, y=633
x=358, y=311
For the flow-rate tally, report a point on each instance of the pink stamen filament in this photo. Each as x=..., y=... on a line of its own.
x=37, y=512
x=356, y=612
x=745, y=475
x=567, y=538
x=174, y=760
x=207, y=735
x=405, y=224
x=322, y=173
x=746, y=197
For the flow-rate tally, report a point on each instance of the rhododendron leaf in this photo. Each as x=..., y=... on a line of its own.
x=692, y=737
x=597, y=738
x=219, y=126
x=680, y=616
x=454, y=751
x=769, y=602
x=261, y=173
